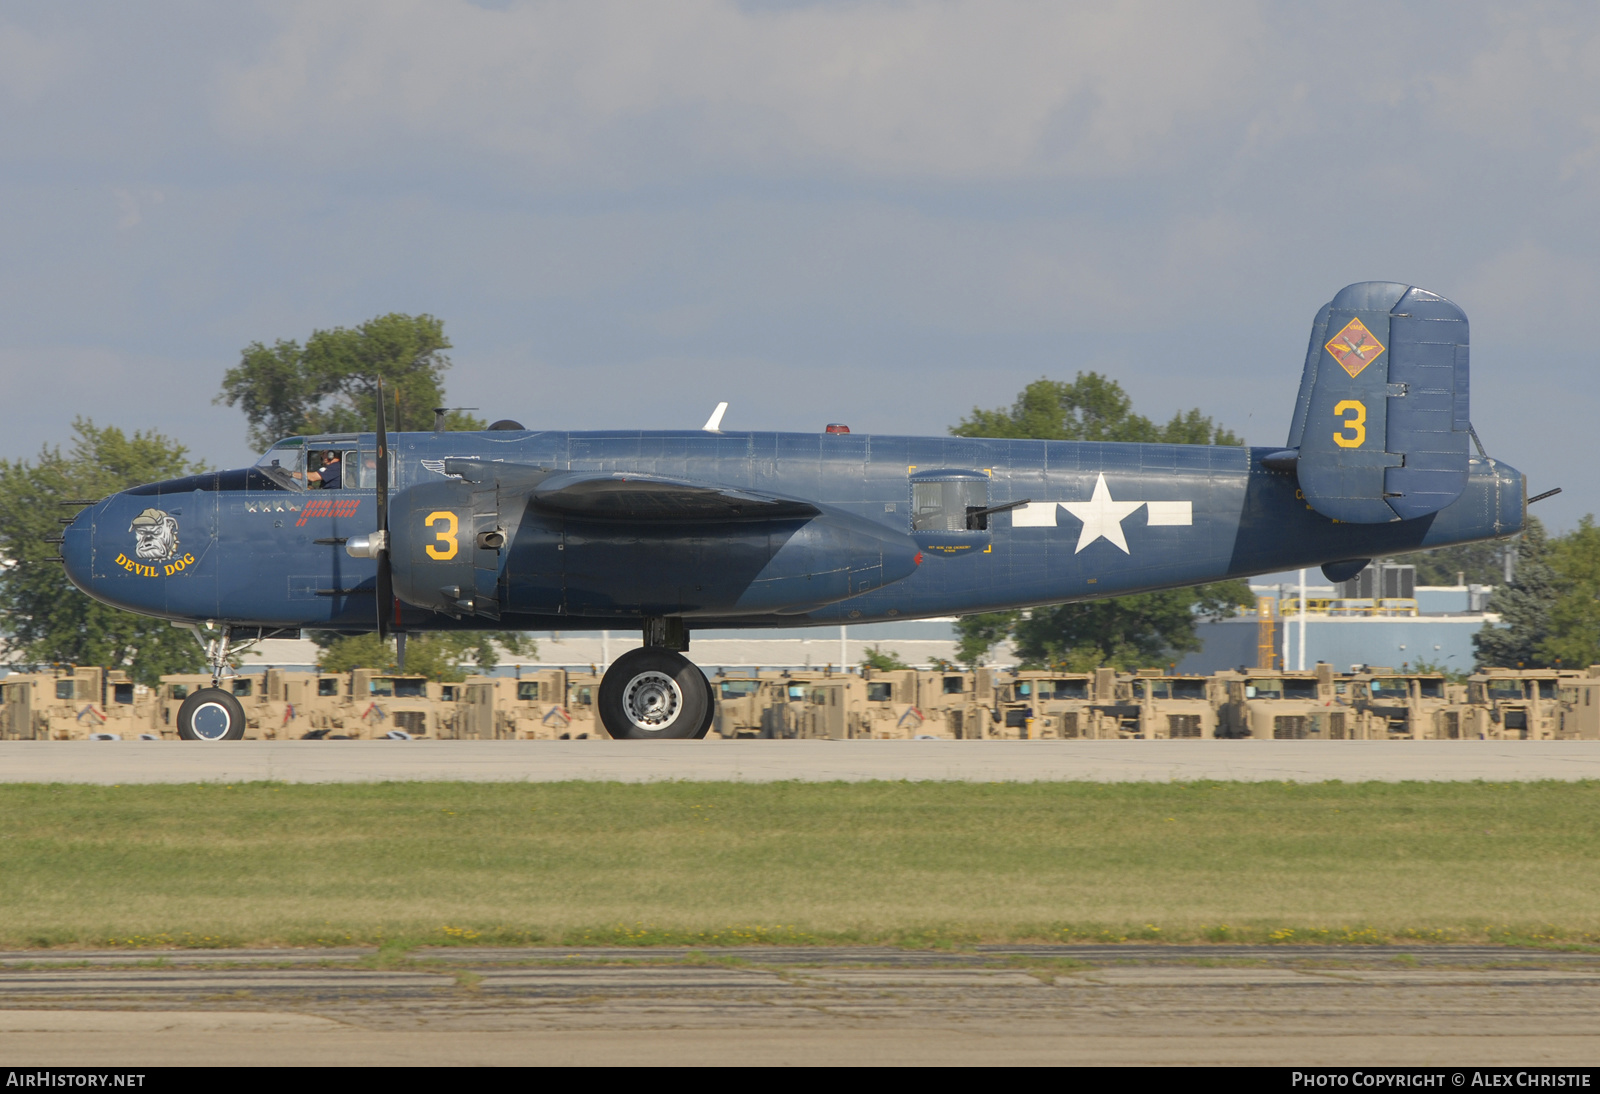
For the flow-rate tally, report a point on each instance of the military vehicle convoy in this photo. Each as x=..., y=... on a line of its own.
x=88, y=703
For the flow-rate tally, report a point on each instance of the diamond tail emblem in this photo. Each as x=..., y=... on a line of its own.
x=1354, y=347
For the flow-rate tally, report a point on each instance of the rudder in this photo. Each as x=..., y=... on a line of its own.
x=1382, y=419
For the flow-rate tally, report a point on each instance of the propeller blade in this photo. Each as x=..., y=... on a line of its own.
x=385, y=595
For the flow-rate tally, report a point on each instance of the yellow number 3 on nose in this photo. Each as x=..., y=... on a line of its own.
x=447, y=536
x=1353, y=435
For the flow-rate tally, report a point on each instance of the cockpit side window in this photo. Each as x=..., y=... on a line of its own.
x=365, y=464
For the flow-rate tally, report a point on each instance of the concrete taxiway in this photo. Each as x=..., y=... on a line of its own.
x=1448, y=1006
x=107, y=762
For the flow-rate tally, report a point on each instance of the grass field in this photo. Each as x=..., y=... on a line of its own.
x=718, y=863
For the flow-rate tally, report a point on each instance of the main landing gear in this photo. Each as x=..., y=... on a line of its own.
x=656, y=693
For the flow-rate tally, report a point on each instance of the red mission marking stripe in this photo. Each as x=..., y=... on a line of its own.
x=328, y=507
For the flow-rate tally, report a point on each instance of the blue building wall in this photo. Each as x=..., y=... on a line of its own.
x=1443, y=640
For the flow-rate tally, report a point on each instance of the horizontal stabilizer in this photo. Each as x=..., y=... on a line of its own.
x=1381, y=422
x=622, y=496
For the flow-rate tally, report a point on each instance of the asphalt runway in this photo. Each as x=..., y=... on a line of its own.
x=1446, y=1006
x=108, y=762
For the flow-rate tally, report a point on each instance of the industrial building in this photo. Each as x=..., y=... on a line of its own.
x=1380, y=617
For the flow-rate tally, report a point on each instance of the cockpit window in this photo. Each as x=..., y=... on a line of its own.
x=365, y=465
x=285, y=462
x=288, y=454
x=292, y=458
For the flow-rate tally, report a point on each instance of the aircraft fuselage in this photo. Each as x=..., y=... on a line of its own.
x=251, y=548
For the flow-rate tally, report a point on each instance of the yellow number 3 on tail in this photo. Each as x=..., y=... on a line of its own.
x=1353, y=435
x=447, y=537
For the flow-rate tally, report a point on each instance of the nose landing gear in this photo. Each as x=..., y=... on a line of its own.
x=210, y=714
x=213, y=714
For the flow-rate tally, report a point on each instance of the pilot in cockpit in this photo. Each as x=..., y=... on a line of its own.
x=329, y=476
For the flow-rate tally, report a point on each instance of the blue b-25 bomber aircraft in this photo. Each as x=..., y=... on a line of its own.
x=512, y=528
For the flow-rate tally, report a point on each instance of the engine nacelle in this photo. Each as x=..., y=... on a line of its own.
x=446, y=547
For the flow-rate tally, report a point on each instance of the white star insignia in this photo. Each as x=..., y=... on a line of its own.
x=1102, y=518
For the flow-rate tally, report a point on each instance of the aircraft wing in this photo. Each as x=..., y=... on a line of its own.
x=625, y=496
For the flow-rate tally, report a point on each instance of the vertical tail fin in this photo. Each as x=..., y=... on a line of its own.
x=1381, y=422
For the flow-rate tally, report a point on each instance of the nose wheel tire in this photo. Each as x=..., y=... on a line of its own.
x=211, y=714
x=655, y=695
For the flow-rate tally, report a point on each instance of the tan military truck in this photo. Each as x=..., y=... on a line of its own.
x=31, y=698
x=1176, y=707
x=743, y=703
x=18, y=720
x=46, y=706
x=583, y=692
x=384, y=704
x=878, y=703
x=1284, y=706
x=770, y=704
x=1580, y=707
x=127, y=710
x=1408, y=706
x=1040, y=705
x=72, y=702
x=954, y=704
x=824, y=712
x=1517, y=704
x=884, y=704
x=533, y=705
x=291, y=704
x=844, y=706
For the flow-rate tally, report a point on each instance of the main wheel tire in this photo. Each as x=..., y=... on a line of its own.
x=210, y=714
x=711, y=708
x=654, y=695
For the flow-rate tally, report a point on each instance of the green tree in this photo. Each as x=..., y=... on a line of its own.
x=978, y=634
x=1573, y=640
x=1524, y=605
x=1125, y=631
x=444, y=655
x=1474, y=563
x=882, y=662
x=329, y=385
x=1090, y=408
x=49, y=620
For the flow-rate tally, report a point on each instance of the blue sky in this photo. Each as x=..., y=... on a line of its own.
x=881, y=214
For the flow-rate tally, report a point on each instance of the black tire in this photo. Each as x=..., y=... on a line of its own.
x=211, y=714
x=711, y=708
x=655, y=695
